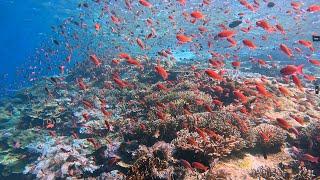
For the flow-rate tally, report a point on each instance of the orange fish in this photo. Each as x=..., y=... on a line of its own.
x=186, y=164
x=95, y=60
x=218, y=89
x=265, y=25
x=213, y=74
x=216, y=63
x=202, y=29
x=264, y=136
x=115, y=19
x=280, y=28
x=314, y=62
x=297, y=82
x=298, y=119
x=134, y=62
x=313, y=8
x=50, y=125
x=292, y=69
x=307, y=44
x=262, y=90
x=284, y=91
x=197, y=15
x=145, y=3
x=201, y=133
x=162, y=72
x=140, y=43
x=115, y=61
x=124, y=56
x=309, y=77
x=106, y=113
x=296, y=5
x=183, y=38
x=120, y=82
x=86, y=116
x=206, y=2
x=212, y=134
x=192, y=141
x=97, y=26
x=217, y=102
x=94, y=142
x=236, y=64
x=249, y=44
x=208, y=108
x=309, y=157
x=182, y=2
x=262, y=62
x=286, y=50
x=162, y=87
x=240, y=97
x=232, y=41
x=81, y=84
x=149, y=22
x=161, y=115
x=283, y=123
x=87, y=104
x=226, y=33
x=200, y=166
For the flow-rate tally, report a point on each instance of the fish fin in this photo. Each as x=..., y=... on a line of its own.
x=312, y=48
x=300, y=68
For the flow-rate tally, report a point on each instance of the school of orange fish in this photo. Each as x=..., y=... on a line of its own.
x=169, y=117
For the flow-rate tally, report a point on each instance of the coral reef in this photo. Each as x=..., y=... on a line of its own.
x=194, y=129
x=153, y=162
x=269, y=137
x=288, y=171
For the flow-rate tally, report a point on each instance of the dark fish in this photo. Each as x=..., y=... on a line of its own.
x=54, y=80
x=83, y=4
x=56, y=42
x=271, y=4
x=235, y=23
x=75, y=22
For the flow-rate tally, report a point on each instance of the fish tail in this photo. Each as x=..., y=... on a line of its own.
x=300, y=68
x=312, y=48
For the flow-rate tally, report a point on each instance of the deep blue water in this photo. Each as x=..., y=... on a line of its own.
x=24, y=26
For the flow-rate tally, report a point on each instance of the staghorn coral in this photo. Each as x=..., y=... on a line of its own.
x=178, y=100
x=204, y=148
x=268, y=136
x=291, y=170
x=268, y=173
x=304, y=174
x=62, y=160
x=310, y=135
x=218, y=121
x=150, y=132
x=152, y=163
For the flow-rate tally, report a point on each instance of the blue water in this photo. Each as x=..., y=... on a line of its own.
x=38, y=36
x=25, y=25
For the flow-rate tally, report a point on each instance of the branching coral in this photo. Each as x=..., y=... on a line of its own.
x=204, y=147
x=150, y=132
x=268, y=136
x=304, y=174
x=310, y=135
x=266, y=172
x=283, y=172
x=152, y=163
x=62, y=161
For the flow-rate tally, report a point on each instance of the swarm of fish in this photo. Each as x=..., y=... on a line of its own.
x=136, y=110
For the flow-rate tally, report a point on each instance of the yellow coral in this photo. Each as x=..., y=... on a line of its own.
x=246, y=162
